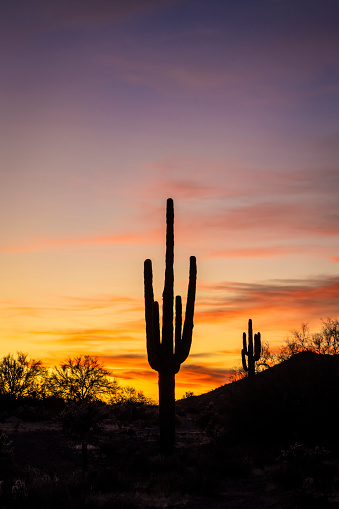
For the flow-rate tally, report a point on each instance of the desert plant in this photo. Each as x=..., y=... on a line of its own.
x=188, y=394
x=6, y=446
x=81, y=378
x=21, y=376
x=80, y=418
x=251, y=351
x=330, y=334
x=326, y=341
x=267, y=360
x=164, y=356
x=129, y=395
x=300, y=341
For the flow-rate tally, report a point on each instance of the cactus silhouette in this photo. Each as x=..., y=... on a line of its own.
x=165, y=356
x=252, y=351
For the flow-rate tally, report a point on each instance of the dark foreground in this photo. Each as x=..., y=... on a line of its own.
x=272, y=446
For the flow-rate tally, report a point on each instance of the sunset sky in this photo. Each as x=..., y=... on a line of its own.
x=108, y=108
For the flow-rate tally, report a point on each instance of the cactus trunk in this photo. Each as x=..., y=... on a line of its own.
x=167, y=411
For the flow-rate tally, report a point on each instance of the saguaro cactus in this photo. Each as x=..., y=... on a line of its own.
x=165, y=356
x=252, y=352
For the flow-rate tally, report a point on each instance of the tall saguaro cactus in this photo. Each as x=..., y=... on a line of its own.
x=251, y=351
x=164, y=355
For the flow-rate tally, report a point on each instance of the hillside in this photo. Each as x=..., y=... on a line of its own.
x=294, y=400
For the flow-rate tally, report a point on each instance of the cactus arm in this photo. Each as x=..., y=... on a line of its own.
x=187, y=332
x=244, y=343
x=151, y=318
x=168, y=293
x=149, y=299
x=155, y=346
x=178, y=322
x=243, y=356
x=257, y=346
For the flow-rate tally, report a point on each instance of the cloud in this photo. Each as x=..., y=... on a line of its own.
x=197, y=375
x=191, y=375
x=46, y=244
x=121, y=332
x=265, y=65
x=181, y=179
x=277, y=218
x=268, y=206
x=276, y=251
x=258, y=252
x=277, y=299
x=103, y=302
x=90, y=13
x=22, y=19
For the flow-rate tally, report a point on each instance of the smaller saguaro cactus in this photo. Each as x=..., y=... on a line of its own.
x=252, y=351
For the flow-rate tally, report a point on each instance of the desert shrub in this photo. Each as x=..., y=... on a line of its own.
x=129, y=395
x=130, y=405
x=188, y=394
x=304, y=468
x=31, y=413
x=81, y=418
x=6, y=446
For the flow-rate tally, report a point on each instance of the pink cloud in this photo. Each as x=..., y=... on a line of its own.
x=277, y=300
x=276, y=251
x=264, y=204
x=44, y=244
x=257, y=252
x=197, y=375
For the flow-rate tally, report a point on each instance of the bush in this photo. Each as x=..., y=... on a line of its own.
x=81, y=418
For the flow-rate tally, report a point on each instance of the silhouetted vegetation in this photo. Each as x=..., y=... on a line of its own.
x=81, y=378
x=326, y=341
x=275, y=447
x=252, y=350
x=21, y=376
x=164, y=356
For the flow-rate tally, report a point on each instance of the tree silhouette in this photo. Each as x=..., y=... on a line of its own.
x=82, y=378
x=21, y=376
x=326, y=341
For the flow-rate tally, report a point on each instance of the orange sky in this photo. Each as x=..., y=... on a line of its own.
x=110, y=108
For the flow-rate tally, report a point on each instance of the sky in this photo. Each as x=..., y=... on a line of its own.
x=108, y=108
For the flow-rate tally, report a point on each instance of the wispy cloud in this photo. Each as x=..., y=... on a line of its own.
x=319, y=251
x=197, y=375
x=278, y=299
x=46, y=244
x=89, y=336
x=74, y=305
x=258, y=69
x=278, y=219
x=46, y=15
x=266, y=205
